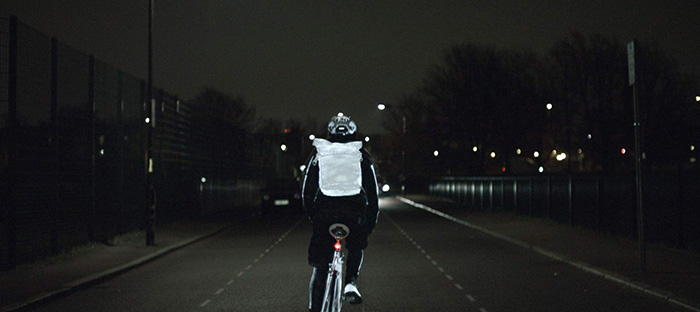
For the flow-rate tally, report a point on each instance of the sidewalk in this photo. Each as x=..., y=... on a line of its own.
x=672, y=275
x=87, y=265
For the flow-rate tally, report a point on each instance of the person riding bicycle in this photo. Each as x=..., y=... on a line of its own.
x=340, y=186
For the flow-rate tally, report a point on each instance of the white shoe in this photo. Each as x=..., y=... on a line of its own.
x=351, y=293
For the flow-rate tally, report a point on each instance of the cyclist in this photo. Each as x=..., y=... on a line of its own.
x=340, y=186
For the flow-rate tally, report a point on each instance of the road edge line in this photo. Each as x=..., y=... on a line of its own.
x=666, y=296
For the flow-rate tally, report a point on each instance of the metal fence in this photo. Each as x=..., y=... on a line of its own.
x=73, y=140
x=598, y=201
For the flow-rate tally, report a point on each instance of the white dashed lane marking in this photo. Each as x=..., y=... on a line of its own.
x=433, y=262
x=250, y=266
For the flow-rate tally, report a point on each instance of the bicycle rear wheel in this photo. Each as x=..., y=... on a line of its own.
x=329, y=293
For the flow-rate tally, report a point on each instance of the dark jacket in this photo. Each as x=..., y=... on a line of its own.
x=311, y=193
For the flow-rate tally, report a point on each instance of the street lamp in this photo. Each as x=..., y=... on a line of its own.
x=382, y=107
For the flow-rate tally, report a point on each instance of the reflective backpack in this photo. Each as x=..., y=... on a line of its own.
x=339, y=167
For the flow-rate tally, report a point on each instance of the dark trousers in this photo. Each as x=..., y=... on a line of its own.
x=351, y=212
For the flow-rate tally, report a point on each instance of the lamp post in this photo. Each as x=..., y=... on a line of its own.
x=151, y=196
x=382, y=107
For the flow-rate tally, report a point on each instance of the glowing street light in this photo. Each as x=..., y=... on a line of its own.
x=493, y=154
x=697, y=98
x=518, y=151
x=549, y=106
x=536, y=154
x=283, y=147
x=475, y=148
x=381, y=106
x=436, y=153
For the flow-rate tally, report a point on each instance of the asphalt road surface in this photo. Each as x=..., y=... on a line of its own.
x=416, y=261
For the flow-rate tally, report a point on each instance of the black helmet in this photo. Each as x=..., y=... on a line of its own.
x=341, y=126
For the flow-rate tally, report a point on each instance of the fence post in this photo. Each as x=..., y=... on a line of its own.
x=503, y=190
x=122, y=150
x=490, y=194
x=13, y=129
x=598, y=185
x=529, y=208
x=91, y=100
x=515, y=195
x=571, y=208
x=54, y=143
x=549, y=197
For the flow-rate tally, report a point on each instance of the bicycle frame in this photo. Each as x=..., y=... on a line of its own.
x=333, y=295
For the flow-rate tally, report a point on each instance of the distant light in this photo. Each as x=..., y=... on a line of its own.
x=150, y=165
x=697, y=98
x=204, y=180
x=590, y=136
x=302, y=168
x=554, y=152
x=541, y=169
x=693, y=160
x=580, y=151
x=475, y=148
x=536, y=154
x=692, y=147
x=436, y=153
x=287, y=130
x=148, y=120
x=385, y=188
x=623, y=151
x=366, y=139
x=283, y=147
x=549, y=106
x=102, y=151
x=561, y=156
x=381, y=106
x=493, y=154
x=340, y=114
x=518, y=151
x=312, y=137
x=503, y=169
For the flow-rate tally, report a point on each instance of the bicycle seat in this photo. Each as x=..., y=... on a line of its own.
x=339, y=230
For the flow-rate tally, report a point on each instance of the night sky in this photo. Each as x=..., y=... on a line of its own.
x=315, y=58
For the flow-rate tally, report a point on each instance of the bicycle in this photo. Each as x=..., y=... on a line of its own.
x=333, y=295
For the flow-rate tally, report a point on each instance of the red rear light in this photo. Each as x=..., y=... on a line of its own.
x=337, y=246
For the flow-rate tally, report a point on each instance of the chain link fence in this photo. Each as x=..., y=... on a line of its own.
x=74, y=136
x=603, y=202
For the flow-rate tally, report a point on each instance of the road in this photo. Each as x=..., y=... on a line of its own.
x=416, y=261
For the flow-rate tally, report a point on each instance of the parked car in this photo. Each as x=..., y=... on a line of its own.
x=281, y=195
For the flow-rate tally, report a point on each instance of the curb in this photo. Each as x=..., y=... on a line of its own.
x=666, y=296
x=99, y=277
